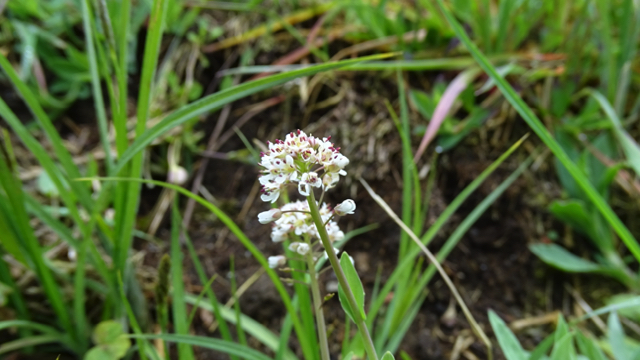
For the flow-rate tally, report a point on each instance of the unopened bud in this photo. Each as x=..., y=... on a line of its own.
x=277, y=261
x=266, y=217
x=346, y=207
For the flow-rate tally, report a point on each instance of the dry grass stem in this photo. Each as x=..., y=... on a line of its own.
x=472, y=321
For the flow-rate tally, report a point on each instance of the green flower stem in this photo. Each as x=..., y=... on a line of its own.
x=342, y=279
x=317, y=307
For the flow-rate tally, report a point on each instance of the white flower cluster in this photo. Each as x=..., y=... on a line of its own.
x=296, y=219
x=298, y=159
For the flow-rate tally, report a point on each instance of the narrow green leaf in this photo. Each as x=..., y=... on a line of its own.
x=630, y=303
x=30, y=341
x=252, y=327
x=560, y=258
x=127, y=209
x=563, y=349
x=620, y=348
x=101, y=112
x=10, y=239
x=356, y=287
x=143, y=346
x=631, y=312
x=629, y=146
x=589, y=347
x=49, y=129
x=219, y=99
x=34, y=251
x=542, y=349
x=69, y=198
x=213, y=300
x=227, y=347
x=185, y=352
x=574, y=213
x=508, y=342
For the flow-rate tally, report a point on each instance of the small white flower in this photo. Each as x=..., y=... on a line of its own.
x=279, y=234
x=295, y=218
x=266, y=217
x=72, y=254
x=109, y=215
x=177, y=175
x=300, y=248
x=329, y=180
x=308, y=179
x=346, y=207
x=303, y=188
x=277, y=261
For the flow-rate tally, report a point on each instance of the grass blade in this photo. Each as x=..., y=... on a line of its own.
x=126, y=212
x=252, y=327
x=185, y=352
x=48, y=164
x=214, y=304
x=536, y=125
x=45, y=123
x=629, y=146
x=95, y=83
x=227, y=347
x=34, y=252
x=217, y=100
x=27, y=342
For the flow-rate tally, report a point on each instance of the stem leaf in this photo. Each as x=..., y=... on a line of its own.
x=354, y=283
x=388, y=356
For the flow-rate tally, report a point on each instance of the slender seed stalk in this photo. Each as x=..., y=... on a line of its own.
x=317, y=307
x=342, y=279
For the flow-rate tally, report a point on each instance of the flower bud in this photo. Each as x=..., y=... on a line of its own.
x=177, y=175
x=277, y=261
x=266, y=217
x=300, y=248
x=346, y=207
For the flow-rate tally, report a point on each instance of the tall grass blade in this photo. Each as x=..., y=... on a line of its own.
x=227, y=347
x=101, y=112
x=69, y=198
x=252, y=327
x=219, y=99
x=214, y=304
x=629, y=146
x=185, y=352
x=126, y=213
x=34, y=253
x=52, y=134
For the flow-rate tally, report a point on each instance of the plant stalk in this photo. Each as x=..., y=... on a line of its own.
x=342, y=279
x=317, y=307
